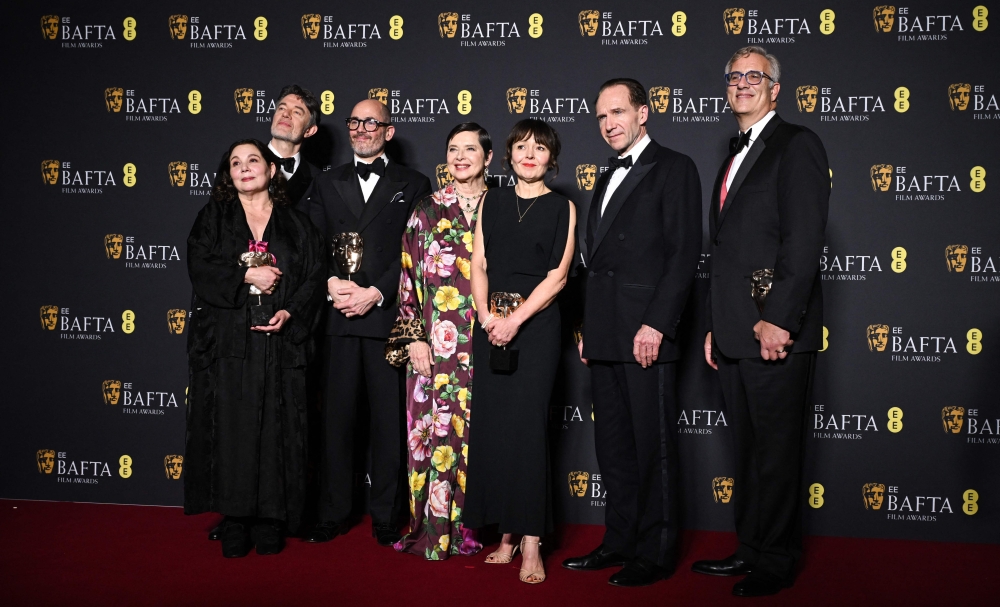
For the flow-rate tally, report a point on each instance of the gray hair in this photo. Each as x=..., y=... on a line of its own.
x=774, y=67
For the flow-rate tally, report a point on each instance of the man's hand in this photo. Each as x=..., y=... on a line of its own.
x=708, y=352
x=773, y=340
x=334, y=284
x=358, y=300
x=275, y=324
x=646, y=345
x=579, y=347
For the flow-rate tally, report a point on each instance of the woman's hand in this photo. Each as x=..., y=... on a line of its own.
x=501, y=331
x=420, y=356
x=275, y=324
x=264, y=278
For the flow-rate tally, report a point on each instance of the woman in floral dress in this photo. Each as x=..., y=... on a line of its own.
x=437, y=313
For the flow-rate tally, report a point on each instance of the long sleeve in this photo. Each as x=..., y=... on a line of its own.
x=412, y=291
x=305, y=303
x=217, y=278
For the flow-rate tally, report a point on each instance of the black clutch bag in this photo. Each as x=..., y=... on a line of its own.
x=503, y=360
x=260, y=316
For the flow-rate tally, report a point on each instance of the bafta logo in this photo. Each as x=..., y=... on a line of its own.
x=878, y=337
x=244, y=100
x=50, y=26
x=46, y=460
x=722, y=489
x=958, y=96
x=805, y=96
x=881, y=175
x=113, y=98
x=732, y=20
x=952, y=418
x=112, y=390
x=884, y=16
x=178, y=171
x=50, y=171
x=310, y=26
x=49, y=316
x=382, y=95
x=873, y=494
x=516, y=97
x=113, y=245
x=578, y=483
x=659, y=99
x=448, y=24
x=173, y=465
x=443, y=175
x=178, y=26
x=956, y=255
x=176, y=319
x=586, y=176
x=588, y=22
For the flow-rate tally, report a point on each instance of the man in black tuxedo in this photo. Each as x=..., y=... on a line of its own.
x=769, y=209
x=374, y=197
x=643, y=239
x=295, y=119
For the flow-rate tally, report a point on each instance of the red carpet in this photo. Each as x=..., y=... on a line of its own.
x=89, y=554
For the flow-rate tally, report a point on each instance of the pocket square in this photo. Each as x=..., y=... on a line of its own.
x=396, y=196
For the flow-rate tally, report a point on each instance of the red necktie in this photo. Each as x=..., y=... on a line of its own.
x=724, y=190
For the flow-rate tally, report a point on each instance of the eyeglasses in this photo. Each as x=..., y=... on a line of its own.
x=753, y=77
x=371, y=124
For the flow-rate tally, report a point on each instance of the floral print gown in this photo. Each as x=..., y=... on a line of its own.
x=434, y=286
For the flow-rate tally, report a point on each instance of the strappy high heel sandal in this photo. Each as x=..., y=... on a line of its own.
x=498, y=558
x=526, y=575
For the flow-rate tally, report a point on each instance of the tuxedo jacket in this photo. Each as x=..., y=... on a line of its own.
x=301, y=179
x=641, y=255
x=774, y=216
x=335, y=203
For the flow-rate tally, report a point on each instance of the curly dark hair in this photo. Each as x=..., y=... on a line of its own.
x=224, y=189
x=543, y=134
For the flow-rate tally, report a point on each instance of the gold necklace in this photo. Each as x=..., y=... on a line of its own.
x=520, y=215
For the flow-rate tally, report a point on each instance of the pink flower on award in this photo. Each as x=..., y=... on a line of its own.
x=438, y=260
x=444, y=337
x=420, y=438
x=419, y=389
x=439, y=498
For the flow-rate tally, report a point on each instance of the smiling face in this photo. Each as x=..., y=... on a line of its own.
x=466, y=159
x=250, y=172
x=751, y=102
x=622, y=124
x=371, y=144
x=529, y=159
x=291, y=120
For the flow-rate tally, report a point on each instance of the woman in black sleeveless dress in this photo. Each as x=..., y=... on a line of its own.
x=524, y=244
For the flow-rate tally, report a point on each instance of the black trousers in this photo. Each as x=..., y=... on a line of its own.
x=767, y=403
x=349, y=362
x=636, y=450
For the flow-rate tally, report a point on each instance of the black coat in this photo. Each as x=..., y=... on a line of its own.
x=641, y=256
x=774, y=217
x=335, y=204
x=301, y=180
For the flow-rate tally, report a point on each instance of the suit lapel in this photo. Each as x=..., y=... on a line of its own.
x=384, y=193
x=758, y=147
x=350, y=190
x=635, y=175
x=716, y=193
x=593, y=218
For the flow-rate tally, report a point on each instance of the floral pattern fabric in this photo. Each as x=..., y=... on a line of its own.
x=434, y=286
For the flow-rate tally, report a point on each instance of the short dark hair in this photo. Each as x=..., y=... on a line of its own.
x=543, y=134
x=224, y=189
x=307, y=98
x=636, y=92
x=472, y=127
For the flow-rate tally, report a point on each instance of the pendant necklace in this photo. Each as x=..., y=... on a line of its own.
x=473, y=201
x=520, y=215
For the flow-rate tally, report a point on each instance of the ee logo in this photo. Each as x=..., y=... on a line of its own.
x=260, y=28
x=826, y=25
x=128, y=321
x=970, y=499
x=535, y=25
x=464, y=102
x=125, y=470
x=396, y=27
x=895, y=420
x=978, y=183
x=816, y=495
x=979, y=22
x=679, y=20
x=129, y=179
x=129, y=32
x=326, y=102
x=194, y=102
x=898, y=257
x=975, y=341
x=902, y=102
x=826, y=337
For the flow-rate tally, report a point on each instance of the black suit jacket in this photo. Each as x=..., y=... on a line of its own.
x=335, y=204
x=774, y=217
x=641, y=256
x=301, y=179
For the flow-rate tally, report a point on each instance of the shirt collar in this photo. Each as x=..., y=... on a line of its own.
x=758, y=127
x=297, y=157
x=384, y=158
x=638, y=148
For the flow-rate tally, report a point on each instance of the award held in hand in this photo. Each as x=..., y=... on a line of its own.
x=760, y=283
x=348, y=250
x=255, y=257
x=503, y=305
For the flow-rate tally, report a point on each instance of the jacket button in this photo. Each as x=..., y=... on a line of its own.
x=379, y=249
x=621, y=237
x=718, y=242
x=610, y=273
x=591, y=274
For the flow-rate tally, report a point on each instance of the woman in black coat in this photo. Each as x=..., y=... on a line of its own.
x=258, y=271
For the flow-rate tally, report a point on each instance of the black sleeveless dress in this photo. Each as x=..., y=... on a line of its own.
x=508, y=469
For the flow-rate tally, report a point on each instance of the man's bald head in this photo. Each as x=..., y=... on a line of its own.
x=372, y=108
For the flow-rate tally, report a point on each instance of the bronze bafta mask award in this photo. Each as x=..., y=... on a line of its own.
x=503, y=305
x=761, y=286
x=255, y=257
x=348, y=249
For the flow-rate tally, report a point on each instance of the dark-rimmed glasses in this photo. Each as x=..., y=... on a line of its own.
x=371, y=124
x=753, y=77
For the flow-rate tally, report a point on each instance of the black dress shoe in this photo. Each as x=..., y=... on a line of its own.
x=385, y=534
x=760, y=584
x=267, y=537
x=216, y=533
x=728, y=566
x=325, y=531
x=639, y=572
x=600, y=558
x=236, y=542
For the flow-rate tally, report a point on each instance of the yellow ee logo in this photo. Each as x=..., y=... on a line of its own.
x=898, y=260
x=895, y=420
x=396, y=27
x=194, y=102
x=129, y=170
x=129, y=32
x=260, y=28
x=974, y=344
x=535, y=25
x=679, y=20
x=902, y=102
x=826, y=25
x=326, y=102
x=970, y=499
x=464, y=102
x=816, y=495
x=979, y=22
x=128, y=321
x=125, y=462
x=978, y=183
x=826, y=337
x=831, y=179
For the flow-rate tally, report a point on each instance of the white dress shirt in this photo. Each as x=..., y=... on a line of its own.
x=368, y=185
x=297, y=157
x=619, y=175
x=755, y=131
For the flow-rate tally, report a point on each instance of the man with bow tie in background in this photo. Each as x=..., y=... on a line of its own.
x=295, y=119
x=372, y=196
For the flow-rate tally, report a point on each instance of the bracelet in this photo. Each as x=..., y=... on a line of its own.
x=488, y=320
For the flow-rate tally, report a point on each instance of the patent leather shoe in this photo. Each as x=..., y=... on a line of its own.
x=385, y=534
x=600, y=558
x=216, y=533
x=760, y=584
x=236, y=542
x=325, y=531
x=638, y=572
x=728, y=566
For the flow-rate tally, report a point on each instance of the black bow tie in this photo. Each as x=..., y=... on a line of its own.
x=287, y=164
x=738, y=143
x=364, y=170
x=620, y=163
